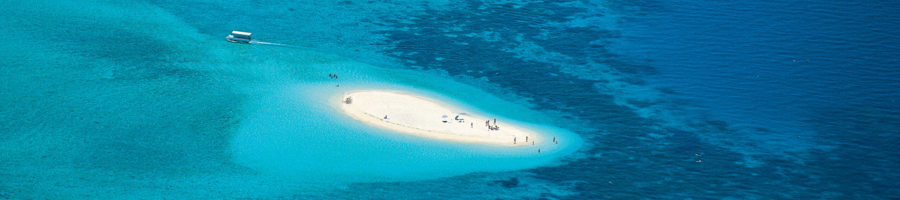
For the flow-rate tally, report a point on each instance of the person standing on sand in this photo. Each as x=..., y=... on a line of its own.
x=472, y=125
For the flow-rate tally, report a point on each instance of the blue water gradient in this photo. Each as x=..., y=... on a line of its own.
x=299, y=131
x=662, y=99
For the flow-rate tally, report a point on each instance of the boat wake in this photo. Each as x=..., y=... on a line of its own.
x=271, y=43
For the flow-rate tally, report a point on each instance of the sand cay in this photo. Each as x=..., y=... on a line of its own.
x=412, y=114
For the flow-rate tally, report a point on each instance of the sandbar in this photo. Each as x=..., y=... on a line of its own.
x=413, y=114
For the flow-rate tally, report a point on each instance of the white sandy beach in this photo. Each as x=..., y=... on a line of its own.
x=413, y=114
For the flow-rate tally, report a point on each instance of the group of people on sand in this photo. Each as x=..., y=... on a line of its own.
x=490, y=127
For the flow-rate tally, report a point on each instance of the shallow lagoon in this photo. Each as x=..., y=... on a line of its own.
x=144, y=99
x=298, y=129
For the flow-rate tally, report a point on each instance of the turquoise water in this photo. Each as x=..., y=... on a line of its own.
x=128, y=100
x=298, y=130
x=652, y=99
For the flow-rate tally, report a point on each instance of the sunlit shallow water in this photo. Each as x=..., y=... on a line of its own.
x=298, y=130
x=145, y=99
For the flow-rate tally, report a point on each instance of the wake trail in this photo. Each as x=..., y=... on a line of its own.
x=284, y=45
x=270, y=43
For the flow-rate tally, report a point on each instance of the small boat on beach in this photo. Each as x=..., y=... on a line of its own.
x=239, y=37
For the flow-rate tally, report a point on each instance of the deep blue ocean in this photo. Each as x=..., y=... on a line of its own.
x=144, y=99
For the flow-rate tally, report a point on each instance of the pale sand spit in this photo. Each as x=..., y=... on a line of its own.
x=417, y=115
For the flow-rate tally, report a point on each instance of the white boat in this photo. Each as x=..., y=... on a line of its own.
x=239, y=37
